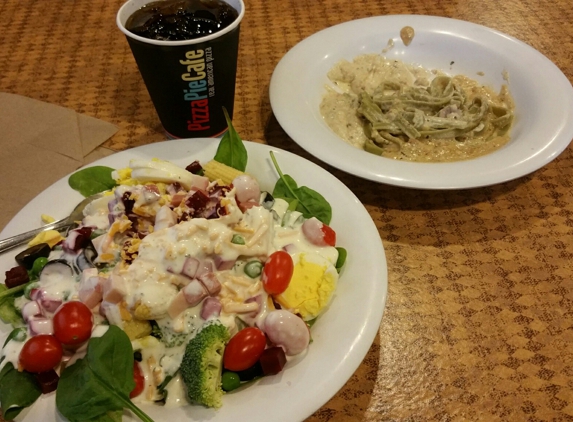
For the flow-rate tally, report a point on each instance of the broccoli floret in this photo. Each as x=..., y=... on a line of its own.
x=202, y=365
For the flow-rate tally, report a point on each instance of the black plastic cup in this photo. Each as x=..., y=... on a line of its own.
x=189, y=81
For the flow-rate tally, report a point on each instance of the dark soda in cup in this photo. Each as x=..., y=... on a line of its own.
x=186, y=52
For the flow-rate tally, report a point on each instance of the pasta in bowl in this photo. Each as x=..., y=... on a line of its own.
x=407, y=112
x=542, y=95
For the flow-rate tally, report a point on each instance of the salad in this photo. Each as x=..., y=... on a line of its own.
x=178, y=286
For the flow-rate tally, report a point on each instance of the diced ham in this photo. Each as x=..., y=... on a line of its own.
x=90, y=291
x=178, y=198
x=222, y=264
x=88, y=273
x=189, y=296
x=209, y=280
x=165, y=218
x=101, y=243
x=194, y=292
x=211, y=307
x=199, y=182
x=178, y=279
x=114, y=289
x=190, y=267
x=111, y=312
x=177, y=305
x=206, y=266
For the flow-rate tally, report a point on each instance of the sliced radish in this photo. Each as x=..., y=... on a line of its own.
x=287, y=330
x=247, y=189
x=317, y=233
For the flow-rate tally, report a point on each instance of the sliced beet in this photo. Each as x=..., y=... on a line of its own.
x=48, y=381
x=26, y=258
x=78, y=239
x=273, y=360
x=16, y=277
x=195, y=167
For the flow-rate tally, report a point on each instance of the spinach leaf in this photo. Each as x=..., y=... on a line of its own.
x=111, y=416
x=18, y=390
x=92, y=180
x=100, y=383
x=315, y=203
x=231, y=150
x=284, y=186
x=309, y=202
x=17, y=334
x=342, y=253
x=8, y=312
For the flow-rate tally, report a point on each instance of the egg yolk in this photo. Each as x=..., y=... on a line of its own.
x=310, y=289
x=51, y=237
x=124, y=177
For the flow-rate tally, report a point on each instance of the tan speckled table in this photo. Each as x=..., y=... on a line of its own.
x=479, y=318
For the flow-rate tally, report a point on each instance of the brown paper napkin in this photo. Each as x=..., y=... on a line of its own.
x=41, y=143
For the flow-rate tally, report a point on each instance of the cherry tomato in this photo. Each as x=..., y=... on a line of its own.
x=73, y=323
x=139, y=381
x=41, y=353
x=277, y=272
x=244, y=349
x=329, y=235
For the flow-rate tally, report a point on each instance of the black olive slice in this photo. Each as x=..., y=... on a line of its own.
x=26, y=258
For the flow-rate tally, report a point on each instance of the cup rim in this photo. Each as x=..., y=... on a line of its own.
x=121, y=25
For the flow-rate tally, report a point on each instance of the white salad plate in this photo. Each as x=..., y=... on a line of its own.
x=341, y=336
x=543, y=97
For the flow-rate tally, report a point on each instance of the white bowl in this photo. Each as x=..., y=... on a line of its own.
x=543, y=97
